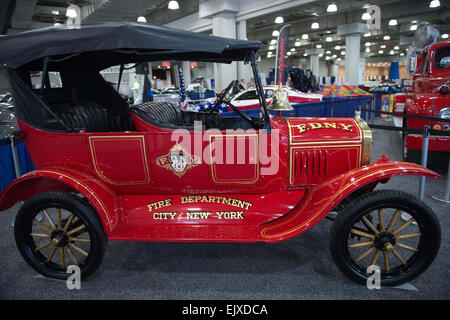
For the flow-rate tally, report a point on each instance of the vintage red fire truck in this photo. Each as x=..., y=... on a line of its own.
x=156, y=172
x=430, y=68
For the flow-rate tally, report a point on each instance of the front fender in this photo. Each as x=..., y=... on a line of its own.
x=100, y=196
x=321, y=199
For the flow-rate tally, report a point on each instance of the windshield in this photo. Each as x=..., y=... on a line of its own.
x=442, y=58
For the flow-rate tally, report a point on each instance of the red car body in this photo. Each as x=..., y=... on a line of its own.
x=425, y=100
x=322, y=161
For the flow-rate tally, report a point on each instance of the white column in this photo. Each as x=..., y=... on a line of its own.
x=224, y=25
x=314, y=60
x=352, y=34
x=352, y=54
x=244, y=71
x=187, y=73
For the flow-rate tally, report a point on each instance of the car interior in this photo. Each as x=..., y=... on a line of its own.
x=84, y=100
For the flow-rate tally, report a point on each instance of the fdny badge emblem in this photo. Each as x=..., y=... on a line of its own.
x=178, y=160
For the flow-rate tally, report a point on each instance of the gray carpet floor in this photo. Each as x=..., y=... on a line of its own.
x=301, y=268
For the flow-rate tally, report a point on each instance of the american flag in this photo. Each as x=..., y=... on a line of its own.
x=183, y=98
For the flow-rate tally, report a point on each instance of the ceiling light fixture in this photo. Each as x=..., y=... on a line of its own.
x=141, y=19
x=393, y=22
x=367, y=50
x=71, y=13
x=329, y=39
x=332, y=7
x=444, y=36
x=396, y=48
x=386, y=38
x=173, y=5
x=305, y=36
x=435, y=3
x=319, y=46
x=413, y=27
x=368, y=34
x=315, y=25
x=366, y=16
x=279, y=20
x=297, y=44
x=275, y=33
x=273, y=41
x=383, y=46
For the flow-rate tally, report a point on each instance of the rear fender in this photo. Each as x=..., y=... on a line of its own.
x=101, y=197
x=321, y=199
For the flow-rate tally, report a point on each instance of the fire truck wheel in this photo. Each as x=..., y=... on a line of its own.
x=392, y=232
x=54, y=230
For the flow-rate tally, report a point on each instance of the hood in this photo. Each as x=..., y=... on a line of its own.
x=320, y=148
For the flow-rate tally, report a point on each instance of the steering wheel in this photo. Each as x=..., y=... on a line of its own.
x=239, y=112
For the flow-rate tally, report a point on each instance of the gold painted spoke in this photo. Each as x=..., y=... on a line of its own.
x=399, y=257
x=43, y=246
x=62, y=261
x=76, y=229
x=84, y=253
x=69, y=221
x=71, y=255
x=58, y=215
x=79, y=239
x=52, y=252
x=386, y=261
x=365, y=253
x=40, y=235
x=369, y=224
x=362, y=234
x=360, y=244
x=49, y=219
x=393, y=220
x=403, y=226
x=404, y=246
x=380, y=219
x=43, y=226
x=407, y=236
x=375, y=257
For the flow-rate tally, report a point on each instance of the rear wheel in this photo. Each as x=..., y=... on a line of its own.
x=370, y=231
x=56, y=229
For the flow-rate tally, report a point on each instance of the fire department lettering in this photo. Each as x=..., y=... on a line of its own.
x=326, y=125
x=218, y=199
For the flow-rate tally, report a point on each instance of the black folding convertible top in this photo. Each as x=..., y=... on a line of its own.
x=106, y=44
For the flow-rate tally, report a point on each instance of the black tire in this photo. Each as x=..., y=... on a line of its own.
x=60, y=204
x=426, y=240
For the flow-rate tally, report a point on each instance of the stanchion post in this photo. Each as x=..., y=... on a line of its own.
x=426, y=137
x=446, y=197
x=15, y=156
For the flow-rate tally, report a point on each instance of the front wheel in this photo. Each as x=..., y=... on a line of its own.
x=56, y=229
x=370, y=231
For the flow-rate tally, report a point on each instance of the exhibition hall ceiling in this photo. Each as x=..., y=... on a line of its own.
x=19, y=16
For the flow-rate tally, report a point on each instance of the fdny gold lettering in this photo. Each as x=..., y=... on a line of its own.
x=346, y=127
x=159, y=204
x=302, y=128
x=315, y=125
x=330, y=125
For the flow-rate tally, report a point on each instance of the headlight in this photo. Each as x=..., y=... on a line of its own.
x=444, y=113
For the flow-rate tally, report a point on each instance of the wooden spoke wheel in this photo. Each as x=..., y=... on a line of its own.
x=56, y=229
x=371, y=231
